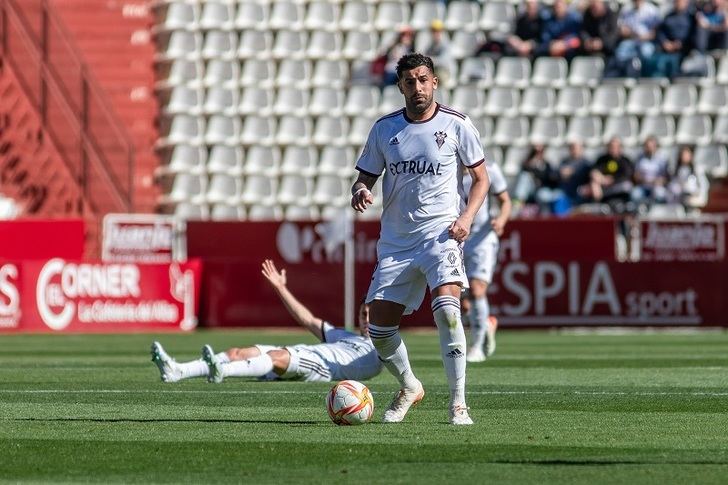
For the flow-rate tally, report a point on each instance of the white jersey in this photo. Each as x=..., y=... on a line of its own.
x=346, y=354
x=498, y=185
x=422, y=164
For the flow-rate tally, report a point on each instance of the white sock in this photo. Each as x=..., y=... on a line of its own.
x=393, y=353
x=194, y=368
x=446, y=310
x=255, y=367
x=479, y=321
x=222, y=357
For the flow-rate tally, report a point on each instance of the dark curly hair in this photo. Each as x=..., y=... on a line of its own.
x=410, y=61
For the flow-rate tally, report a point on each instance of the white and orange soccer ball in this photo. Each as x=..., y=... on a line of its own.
x=350, y=402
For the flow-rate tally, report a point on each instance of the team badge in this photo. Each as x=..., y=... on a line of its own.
x=440, y=138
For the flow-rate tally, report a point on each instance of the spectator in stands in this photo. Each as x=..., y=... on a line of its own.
x=403, y=45
x=674, y=39
x=599, y=30
x=637, y=28
x=650, y=175
x=573, y=174
x=439, y=52
x=712, y=26
x=523, y=41
x=560, y=32
x=688, y=183
x=537, y=182
x=610, y=179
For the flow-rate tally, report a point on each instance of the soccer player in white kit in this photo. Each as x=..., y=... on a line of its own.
x=341, y=355
x=481, y=256
x=422, y=151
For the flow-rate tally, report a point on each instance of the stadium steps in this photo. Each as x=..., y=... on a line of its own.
x=114, y=40
x=32, y=171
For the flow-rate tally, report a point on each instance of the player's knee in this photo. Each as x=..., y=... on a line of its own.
x=280, y=358
x=245, y=353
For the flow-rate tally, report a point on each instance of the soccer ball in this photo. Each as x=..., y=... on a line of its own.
x=350, y=402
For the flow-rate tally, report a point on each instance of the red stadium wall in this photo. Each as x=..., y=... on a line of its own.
x=552, y=272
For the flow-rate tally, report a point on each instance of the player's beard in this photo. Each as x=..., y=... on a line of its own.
x=417, y=107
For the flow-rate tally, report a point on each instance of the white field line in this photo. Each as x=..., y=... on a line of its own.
x=242, y=392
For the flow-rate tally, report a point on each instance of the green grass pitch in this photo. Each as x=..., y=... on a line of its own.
x=549, y=407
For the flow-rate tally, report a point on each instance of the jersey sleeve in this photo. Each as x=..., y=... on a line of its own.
x=332, y=334
x=470, y=150
x=498, y=182
x=371, y=161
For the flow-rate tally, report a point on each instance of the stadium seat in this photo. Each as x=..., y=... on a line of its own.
x=255, y=44
x=477, y=70
x=469, y=99
x=550, y=71
x=497, y=17
x=357, y=16
x=301, y=213
x=359, y=45
x=221, y=73
x=680, y=99
x=713, y=159
x=513, y=72
x=294, y=73
x=177, y=16
x=223, y=189
x=262, y=160
x=337, y=160
x=258, y=130
x=222, y=130
x=179, y=72
x=219, y=100
x=660, y=126
x=295, y=189
x=586, y=71
x=258, y=73
x=186, y=187
x=181, y=129
x=511, y=130
x=331, y=190
x=586, y=129
x=186, y=211
x=513, y=160
x=462, y=15
x=252, y=15
x=537, y=100
x=391, y=15
x=485, y=126
x=217, y=15
x=258, y=212
x=327, y=72
x=359, y=130
x=573, y=100
x=721, y=76
x=289, y=44
x=362, y=100
x=224, y=212
x=494, y=155
x=183, y=100
x=291, y=101
x=294, y=130
x=463, y=43
x=226, y=159
x=254, y=100
x=321, y=15
x=324, y=45
x=180, y=45
x=184, y=159
x=644, y=98
x=713, y=99
x=502, y=100
x=720, y=130
x=555, y=154
x=547, y=130
x=608, y=99
x=626, y=127
x=694, y=129
x=442, y=96
x=259, y=189
x=330, y=130
x=299, y=160
x=220, y=45
x=423, y=13
x=326, y=101
x=286, y=15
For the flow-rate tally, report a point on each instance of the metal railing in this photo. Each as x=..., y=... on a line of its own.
x=73, y=108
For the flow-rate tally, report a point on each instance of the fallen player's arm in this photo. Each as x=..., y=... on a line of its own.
x=298, y=311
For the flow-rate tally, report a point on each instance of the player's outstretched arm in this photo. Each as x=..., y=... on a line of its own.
x=460, y=229
x=361, y=192
x=298, y=311
x=506, y=206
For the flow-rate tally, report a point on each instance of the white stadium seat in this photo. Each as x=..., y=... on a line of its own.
x=226, y=159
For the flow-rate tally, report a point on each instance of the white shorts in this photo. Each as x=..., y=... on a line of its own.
x=403, y=276
x=304, y=364
x=481, y=256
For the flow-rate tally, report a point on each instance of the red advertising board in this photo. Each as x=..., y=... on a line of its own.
x=41, y=239
x=90, y=296
x=683, y=239
x=148, y=238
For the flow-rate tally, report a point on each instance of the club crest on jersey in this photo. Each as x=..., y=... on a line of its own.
x=440, y=138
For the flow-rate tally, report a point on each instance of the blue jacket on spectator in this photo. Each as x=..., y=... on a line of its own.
x=564, y=28
x=678, y=26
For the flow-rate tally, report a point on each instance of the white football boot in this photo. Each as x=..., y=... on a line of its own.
x=459, y=415
x=215, y=375
x=402, y=402
x=490, y=339
x=167, y=366
x=475, y=354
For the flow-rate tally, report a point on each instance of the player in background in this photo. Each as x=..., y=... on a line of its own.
x=481, y=257
x=341, y=355
x=422, y=151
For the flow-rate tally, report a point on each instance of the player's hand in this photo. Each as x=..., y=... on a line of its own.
x=460, y=229
x=271, y=273
x=361, y=199
x=498, y=226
